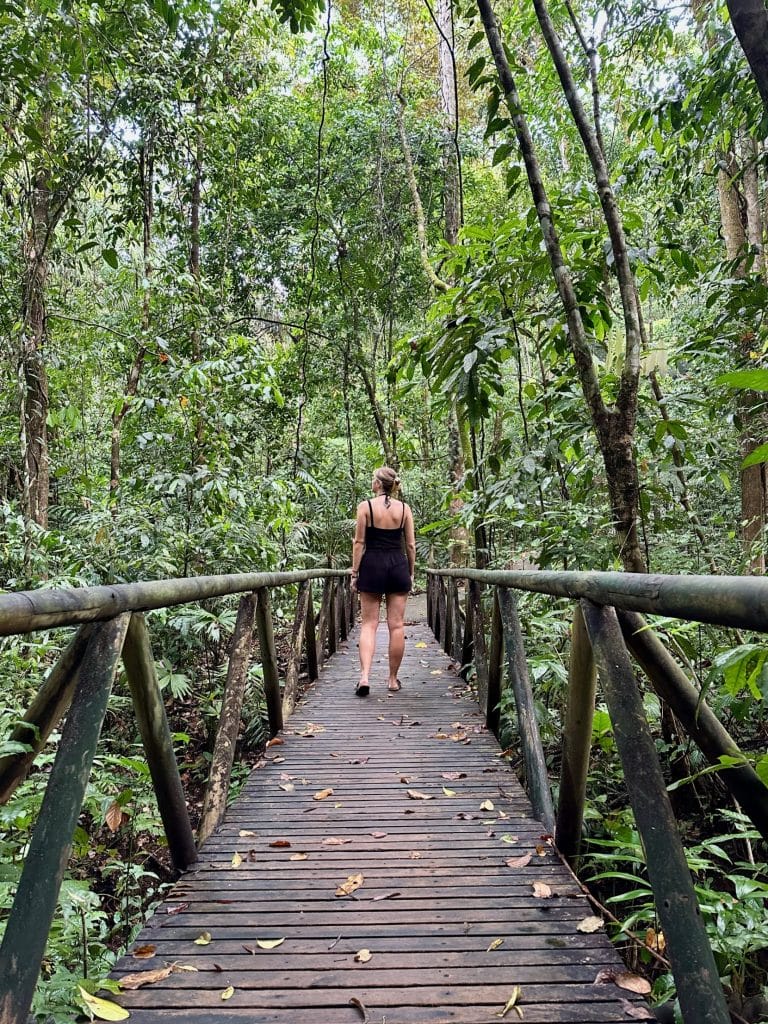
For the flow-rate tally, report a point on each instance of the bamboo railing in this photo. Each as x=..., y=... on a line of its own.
x=79, y=686
x=606, y=628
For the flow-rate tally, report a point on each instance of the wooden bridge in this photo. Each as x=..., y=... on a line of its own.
x=409, y=794
x=382, y=864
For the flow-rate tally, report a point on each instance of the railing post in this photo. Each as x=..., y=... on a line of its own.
x=672, y=684
x=456, y=639
x=291, y=688
x=478, y=642
x=495, y=668
x=530, y=737
x=352, y=594
x=270, y=676
x=52, y=700
x=310, y=638
x=467, y=643
x=341, y=603
x=217, y=790
x=323, y=620
x=333, y=618
x=158, y=744
x=693, y=965
x=430, y=601
x=450, y=588
x=577, y=740
x=29, y=922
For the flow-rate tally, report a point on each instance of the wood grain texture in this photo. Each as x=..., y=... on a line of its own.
x=437, y=887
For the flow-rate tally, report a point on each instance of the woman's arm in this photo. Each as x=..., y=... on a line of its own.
x=358, y=544
x=410, y=540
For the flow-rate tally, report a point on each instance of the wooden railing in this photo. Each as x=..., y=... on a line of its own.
x=606, y=628
x=79, y=685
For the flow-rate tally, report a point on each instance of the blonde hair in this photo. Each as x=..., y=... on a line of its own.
x=389, y=480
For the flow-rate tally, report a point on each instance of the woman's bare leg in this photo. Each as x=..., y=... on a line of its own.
x=369, y=623
x=395, y=617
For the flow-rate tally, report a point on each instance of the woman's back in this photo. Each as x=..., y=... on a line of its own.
x=385, y=517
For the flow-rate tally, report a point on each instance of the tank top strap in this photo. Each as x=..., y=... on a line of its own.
x=370, y=509
x=402, y=517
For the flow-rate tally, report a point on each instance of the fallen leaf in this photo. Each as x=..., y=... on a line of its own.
x=246, y=832
x=454, y=776
x=624, y=979
x=436, y=672
x=378, y=835
x=407, y=779
x=415, y=855
x=590, y=924
x=655, y=940
x=228, y=992
x=177, y=909
x=269, y=943
x=311, y=729
x=636, y=1012
x=519, y=862
x=102, y=1008
x=509, y=838
x=354, y=1001
x=438, y=736
x=133, y=981
x=203, y=939
x=420, y=645
x=494, y=945
x=449, y=792
x=299, y=856
x=218, y=968
x=352, y=883
x=287, y=787
x=511, y=1003
x=487, y=805
x=362, y=956
x=363, y=760
x=385, y=896
x=144, y=952
x=237, y=860
x=275, y=742
x=414, y=794
x=336, y=841
x=278, y=760
x=322, y=794
x=541, y=851
x=282, y=843
x=185, y=967
x=541, y=890
x=115, y=816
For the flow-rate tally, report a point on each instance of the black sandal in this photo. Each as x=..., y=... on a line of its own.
x=395, y=689
x=362, y=690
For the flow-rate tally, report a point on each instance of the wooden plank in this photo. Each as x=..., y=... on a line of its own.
x=445, y=857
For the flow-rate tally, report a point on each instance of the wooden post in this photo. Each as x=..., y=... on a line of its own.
x=457, y=638
x=693, y=965
x=33, y=908
x=672, y=684
x=430, y=601
x=217, y=790
x=323, y=620
x=495, y=669
x=333, y=619
x=341, y=604
x=479, y=646
x=577, y=740
x=270, y=675
x=310, y=638
x=447, y=638
x=51, y=702
x=352, y=605
x=530, y=737
x=291, y=688
x=158, y=744
x=467, y=648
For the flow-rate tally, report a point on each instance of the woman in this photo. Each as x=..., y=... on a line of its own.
x=383, y=559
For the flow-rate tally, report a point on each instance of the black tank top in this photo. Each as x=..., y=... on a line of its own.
x=379, y=538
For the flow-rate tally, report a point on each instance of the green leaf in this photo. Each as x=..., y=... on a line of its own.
x=110, y=257
x=745, y=380
x=759, y=455
x=501, y=153
x=762, y=769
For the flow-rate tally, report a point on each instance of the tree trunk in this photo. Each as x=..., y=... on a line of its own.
x=750, y=23
x=446, y=64
x=146, y=185
x=33, y=377
x=614, y=427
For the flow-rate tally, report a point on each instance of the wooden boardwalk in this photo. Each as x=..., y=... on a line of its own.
x=451, y=926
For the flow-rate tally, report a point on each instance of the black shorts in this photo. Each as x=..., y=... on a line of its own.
x=384, y=572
